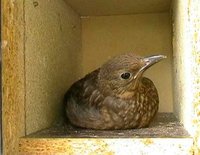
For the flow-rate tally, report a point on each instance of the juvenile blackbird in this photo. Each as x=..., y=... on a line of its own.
x=114, y=96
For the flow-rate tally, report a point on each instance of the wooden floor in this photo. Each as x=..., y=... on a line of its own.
x=165, y=125
x=165, y=136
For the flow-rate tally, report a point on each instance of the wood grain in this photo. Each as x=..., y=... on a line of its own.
x=13, y=75
x=166, y=135
x=105, y=146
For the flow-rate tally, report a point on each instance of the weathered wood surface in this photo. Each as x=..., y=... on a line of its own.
x=166, y=136
x=164, y=125
x=12, y=75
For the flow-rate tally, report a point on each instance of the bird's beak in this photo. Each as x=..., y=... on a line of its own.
x=149, y=61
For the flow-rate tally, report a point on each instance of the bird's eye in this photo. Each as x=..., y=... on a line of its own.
x=125, y=75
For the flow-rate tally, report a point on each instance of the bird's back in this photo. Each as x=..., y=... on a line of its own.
x=82, y=100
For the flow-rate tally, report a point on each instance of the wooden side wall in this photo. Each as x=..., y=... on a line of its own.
x=13, y=74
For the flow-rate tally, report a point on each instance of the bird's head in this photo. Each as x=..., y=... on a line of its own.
x=123, y=72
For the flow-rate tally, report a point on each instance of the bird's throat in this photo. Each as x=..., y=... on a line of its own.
x=129, y=91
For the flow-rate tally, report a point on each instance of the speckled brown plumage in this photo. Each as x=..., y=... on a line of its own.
x=115, y=96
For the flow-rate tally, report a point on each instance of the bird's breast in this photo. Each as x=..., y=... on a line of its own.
x=131, y=109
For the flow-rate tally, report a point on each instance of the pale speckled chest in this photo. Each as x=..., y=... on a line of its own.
x=135, y=112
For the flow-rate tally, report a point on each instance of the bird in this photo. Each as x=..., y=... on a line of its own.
x=115, y=95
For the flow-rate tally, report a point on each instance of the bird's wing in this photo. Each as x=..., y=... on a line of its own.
x=82, y=99
x=85, y=91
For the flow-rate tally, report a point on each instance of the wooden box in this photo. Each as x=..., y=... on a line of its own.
x=48, y=45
